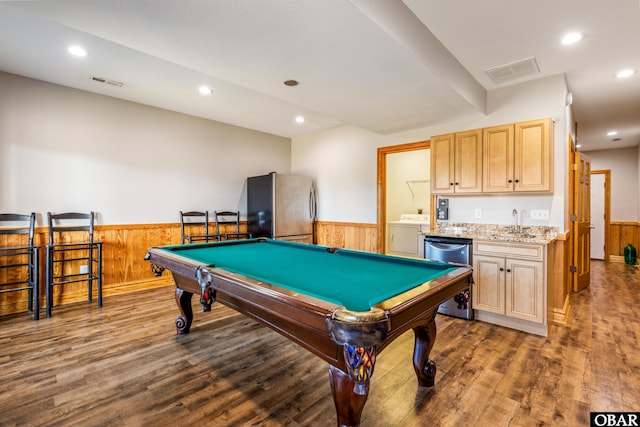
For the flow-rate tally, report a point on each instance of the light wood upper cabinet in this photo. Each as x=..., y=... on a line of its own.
x=442, y=163
x=533, y=156
x=517, y=158
x=456, y=163
x=498, y=159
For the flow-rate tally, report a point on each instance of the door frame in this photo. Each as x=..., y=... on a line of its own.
x=382, y=186
x=607, y=207
x=569, y=276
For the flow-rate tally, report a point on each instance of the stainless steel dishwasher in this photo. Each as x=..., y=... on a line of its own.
x=456, y=250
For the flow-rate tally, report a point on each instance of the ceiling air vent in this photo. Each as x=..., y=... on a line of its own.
x=107, y=81
x=513, y=70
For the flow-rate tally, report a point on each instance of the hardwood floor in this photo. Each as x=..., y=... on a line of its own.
x=123, y=365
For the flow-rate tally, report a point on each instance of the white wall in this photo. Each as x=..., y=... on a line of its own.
x=62, y=149
x=66, y=150
x=625, y=180
x=343, y=160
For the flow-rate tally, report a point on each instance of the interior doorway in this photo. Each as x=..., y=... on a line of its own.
x=382, y=181
x=407, y=183
x=600, y=199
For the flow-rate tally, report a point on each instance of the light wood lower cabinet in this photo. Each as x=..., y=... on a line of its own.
x=510, y=285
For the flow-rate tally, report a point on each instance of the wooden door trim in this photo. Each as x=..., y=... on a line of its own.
x=571, y=277
x=607, y=207
x=382, y=188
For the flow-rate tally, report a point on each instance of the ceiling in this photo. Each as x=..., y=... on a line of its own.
x=383, y=65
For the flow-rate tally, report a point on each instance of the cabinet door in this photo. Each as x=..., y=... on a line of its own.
x=442, y=154
x=533, y=156
x=497, y=163
x=524, y=290
x=468, y=162
x=488, y=287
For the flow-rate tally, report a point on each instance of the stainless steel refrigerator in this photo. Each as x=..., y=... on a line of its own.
x=281, y=206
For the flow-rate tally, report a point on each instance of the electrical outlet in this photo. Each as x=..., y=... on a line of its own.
x=539, y=214
x=478, y=213
x=84, y=269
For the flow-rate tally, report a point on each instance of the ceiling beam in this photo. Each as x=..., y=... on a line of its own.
x=397, y=20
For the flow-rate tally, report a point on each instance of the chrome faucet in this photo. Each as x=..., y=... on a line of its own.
x=515, y=215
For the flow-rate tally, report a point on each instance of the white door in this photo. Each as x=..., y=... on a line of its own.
x=597, y=216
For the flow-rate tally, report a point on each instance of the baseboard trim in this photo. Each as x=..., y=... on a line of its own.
x=513, y=323
x=561, y=316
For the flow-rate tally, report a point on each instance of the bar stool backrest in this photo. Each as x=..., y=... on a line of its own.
x=18, y=224
x=194, y=220
x=68, y=222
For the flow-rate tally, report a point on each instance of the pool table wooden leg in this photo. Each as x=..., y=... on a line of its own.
x=349, y=405
x=183, y=322
x=425, y=368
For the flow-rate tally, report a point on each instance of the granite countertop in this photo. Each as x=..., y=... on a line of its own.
x=496, y=232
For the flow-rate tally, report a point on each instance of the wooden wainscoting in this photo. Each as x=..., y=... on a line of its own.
x=125, y=270
x=123, y=266
x=620, y=235
x=125, y=246
x=363, y=237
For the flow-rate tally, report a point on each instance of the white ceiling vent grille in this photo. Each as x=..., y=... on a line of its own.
x=107, y=81
x=513, y=70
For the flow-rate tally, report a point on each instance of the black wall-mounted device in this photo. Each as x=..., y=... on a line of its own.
x=442, y=210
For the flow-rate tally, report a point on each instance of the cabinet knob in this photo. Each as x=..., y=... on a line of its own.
x=501, y=269
x=508, y=270
x=517, y=180
x=510, y=181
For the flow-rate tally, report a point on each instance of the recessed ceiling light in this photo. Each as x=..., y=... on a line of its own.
x=78, y=51
x=612, y=133
x=623, y=74
x=571, y=38
x=205, y=90
x=299, y=119
x=578, y=146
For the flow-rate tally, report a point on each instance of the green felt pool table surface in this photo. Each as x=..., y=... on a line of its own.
x=355, y=280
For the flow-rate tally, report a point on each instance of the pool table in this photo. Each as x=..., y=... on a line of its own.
x=344, y=306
